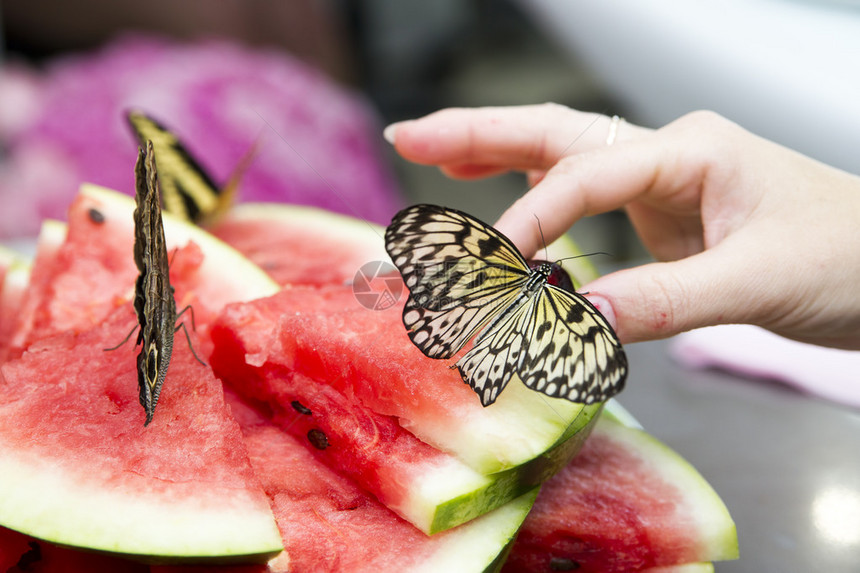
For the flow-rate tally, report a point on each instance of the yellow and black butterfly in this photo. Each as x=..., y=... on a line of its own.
x=463, y=276
x=189, y=192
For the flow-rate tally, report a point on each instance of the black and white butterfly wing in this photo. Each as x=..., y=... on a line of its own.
x=571, y=351
x=497, y=355
x=460, y=273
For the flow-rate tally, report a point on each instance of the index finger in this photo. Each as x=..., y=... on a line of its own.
x=653, y=169
x=532, y=137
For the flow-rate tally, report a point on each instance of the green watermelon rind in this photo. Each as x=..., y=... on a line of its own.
x=481, y=544
x=448, y=507
x=218, y=531
x=7, y=256
x=715, y=525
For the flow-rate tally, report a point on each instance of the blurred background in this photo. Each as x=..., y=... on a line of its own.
x=313, y=82
x=785, y=69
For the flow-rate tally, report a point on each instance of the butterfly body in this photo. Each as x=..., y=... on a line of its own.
x=154, y=302
x=465, y=277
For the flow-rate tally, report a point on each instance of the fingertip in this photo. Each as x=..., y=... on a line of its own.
x=604, y=307
x=390, y=132
x=642, y=303
x=661, y=299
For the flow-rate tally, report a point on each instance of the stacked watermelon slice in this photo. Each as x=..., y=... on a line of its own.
x=316, y=438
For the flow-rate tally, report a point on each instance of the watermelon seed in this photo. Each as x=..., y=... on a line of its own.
x=300, y=408
x=563, y=564
x=96, y=216
x=318, y=439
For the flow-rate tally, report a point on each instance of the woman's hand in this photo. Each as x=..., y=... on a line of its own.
x=746, y=231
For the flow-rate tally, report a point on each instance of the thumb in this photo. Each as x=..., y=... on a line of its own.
x=661, y=299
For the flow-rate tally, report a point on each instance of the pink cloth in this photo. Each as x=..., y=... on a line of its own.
x=751, y=351
x=319, y=143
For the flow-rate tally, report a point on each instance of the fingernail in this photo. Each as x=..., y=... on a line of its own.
x=389, y=132
x=603, y=306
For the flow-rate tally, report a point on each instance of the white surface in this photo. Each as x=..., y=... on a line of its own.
x=788, y=70
x=757, y=353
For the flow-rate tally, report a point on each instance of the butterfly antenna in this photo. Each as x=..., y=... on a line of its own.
x=604, y=253
x=543, y=240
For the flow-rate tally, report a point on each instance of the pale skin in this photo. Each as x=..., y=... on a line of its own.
x=744, y=230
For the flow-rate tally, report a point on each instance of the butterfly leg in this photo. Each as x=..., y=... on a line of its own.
x=191, y=310
x=124, y=340
x=185, y=330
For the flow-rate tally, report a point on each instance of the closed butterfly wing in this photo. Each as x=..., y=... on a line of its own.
x=153, y=300
x=188, y=190
x=460, y=274
x=571, y=351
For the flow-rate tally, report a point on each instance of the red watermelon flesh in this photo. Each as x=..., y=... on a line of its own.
x=327, y=521
x=623, y=505
x=76, y=284
x=11, y=296
x=370, y=448
x=333, y=247
x=19, y=301
x=308, y=331
x=70, y=421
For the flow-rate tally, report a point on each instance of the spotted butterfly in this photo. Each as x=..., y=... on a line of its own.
x=464, y=276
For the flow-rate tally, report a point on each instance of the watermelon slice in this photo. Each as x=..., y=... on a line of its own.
x=78, y=467
x=277, y=350
x=327, y=520
x=518, y=442
x=17, y=306
x=7, y=259
x=626, y=503
x=16, y=277
x=302, y=245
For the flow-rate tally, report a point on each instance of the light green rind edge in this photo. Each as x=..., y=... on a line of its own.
x=8, y=256
x=438, y=502
x=715, y=525
x=44, y=501
x=255, y=282
x=482, y=544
